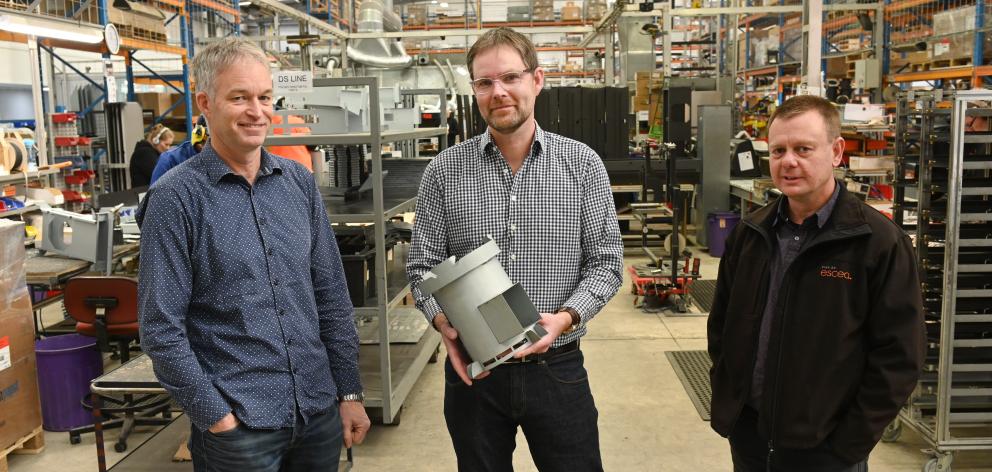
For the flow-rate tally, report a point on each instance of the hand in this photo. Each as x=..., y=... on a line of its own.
x=458, y=359
x=554, y=324
x=227, y=423
x=354, y=422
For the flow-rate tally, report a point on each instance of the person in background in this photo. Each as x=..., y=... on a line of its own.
x=298, y=153
x=454, y=129
x=816, y=332
x=146, y=154
x=175, y=156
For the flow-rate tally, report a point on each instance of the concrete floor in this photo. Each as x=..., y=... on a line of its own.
x=647, y=422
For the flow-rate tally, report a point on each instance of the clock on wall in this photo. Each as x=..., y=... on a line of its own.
x=112, y=39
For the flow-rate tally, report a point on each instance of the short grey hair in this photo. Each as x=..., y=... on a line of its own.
x=214, y=59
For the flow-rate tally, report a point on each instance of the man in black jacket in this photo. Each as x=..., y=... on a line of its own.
x=816, y=332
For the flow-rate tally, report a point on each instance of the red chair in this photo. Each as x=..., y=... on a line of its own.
x=106, y=308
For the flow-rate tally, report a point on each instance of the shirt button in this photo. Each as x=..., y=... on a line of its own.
x=275, y=282
x=797, y=238
x=513, y=227
x=513, y=198
x=271, y=251
x=513, y=257
x=261, y=221
x=282, y=312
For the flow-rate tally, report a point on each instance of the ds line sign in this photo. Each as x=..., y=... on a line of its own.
x=293, y=81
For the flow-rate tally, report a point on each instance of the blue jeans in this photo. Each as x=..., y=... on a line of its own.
x=750, y=452
x=315, y=446
x=550, y=400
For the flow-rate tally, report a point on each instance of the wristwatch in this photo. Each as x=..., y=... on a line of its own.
x=353, y=397
x=576, y=319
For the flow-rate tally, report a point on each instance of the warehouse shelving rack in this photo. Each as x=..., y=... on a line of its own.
x=388, y=383
x=951, y=407
x=910, y=22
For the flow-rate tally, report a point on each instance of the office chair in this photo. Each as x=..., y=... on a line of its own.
x=106, y=308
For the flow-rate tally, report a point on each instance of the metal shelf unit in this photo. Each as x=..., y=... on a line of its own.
x=951, y=407
x=389, y=371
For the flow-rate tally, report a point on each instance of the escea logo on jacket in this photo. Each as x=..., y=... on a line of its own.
x=832, y=272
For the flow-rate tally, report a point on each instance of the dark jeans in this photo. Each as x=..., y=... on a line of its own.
x=315, y=446
x=549, y=399
x=750, y=453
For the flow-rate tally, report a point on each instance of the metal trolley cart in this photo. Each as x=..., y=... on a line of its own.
x=950, y=168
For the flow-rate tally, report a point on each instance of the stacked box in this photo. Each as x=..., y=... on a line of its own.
x=20, y=408
x=571, y=12
x=645, y=82
x=595, y=9
x=518, y=14
x=958, y=20
x=544, y=10
x=416, y=15
x=955, y=47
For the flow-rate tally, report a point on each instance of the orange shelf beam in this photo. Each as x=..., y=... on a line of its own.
x=905, y=5
x=946, y=73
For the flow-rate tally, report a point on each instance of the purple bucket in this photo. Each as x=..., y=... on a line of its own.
x=719, y=226
x=66, y=365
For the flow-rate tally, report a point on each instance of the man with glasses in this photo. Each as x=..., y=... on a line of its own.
x=546, y=201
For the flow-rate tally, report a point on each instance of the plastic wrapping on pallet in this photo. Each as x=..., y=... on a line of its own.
x=20, y=411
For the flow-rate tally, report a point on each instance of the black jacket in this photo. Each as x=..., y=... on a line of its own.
x=143, y=163
x=847, y=343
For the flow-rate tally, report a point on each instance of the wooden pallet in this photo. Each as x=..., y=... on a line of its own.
x=33, y=443
x=129, y=31
x=955, y=62
x=13, y=5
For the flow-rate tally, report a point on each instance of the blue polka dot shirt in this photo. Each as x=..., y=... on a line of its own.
x=242, y=300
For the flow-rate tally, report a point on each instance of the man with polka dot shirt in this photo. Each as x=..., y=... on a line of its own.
x=243, y=303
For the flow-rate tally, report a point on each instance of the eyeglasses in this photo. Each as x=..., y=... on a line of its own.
x=484, y=86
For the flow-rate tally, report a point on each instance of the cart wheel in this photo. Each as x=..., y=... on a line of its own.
x=941, y=463
x=893, y=431
x=75, y=439
x=120, y=446
x=167, y=413
x=681, y=306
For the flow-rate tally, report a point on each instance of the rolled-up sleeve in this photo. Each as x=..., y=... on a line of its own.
x=429, y=245
x=602, y=246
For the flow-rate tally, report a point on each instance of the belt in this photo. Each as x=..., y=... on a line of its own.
x=550, y=353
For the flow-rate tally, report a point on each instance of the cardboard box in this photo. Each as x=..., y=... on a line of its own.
x=872, y=163
x=16, y=331
x=958, y=20
x=20, y=407
x=20, y=410
x=955, y=47
x=571, y=12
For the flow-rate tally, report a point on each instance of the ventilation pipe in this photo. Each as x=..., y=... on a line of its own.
x=377, y=16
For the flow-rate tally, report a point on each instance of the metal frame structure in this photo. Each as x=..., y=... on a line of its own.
x=391, y=394
x=954, y=215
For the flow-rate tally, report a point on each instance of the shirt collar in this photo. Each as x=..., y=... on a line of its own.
x=821, y=215
x=540, y=143
x=217, y=169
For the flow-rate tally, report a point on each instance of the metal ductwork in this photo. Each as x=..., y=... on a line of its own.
x=377, y=16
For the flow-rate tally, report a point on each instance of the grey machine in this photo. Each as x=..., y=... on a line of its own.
x=494, y=317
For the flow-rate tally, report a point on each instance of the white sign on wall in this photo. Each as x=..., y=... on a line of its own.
x=292, y=81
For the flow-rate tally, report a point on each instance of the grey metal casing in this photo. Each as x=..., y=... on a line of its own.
x=715, y=130
x=493, y=316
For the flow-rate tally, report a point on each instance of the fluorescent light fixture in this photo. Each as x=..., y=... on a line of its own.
x=243, y=4
x=444, y=5
x=50, y=28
